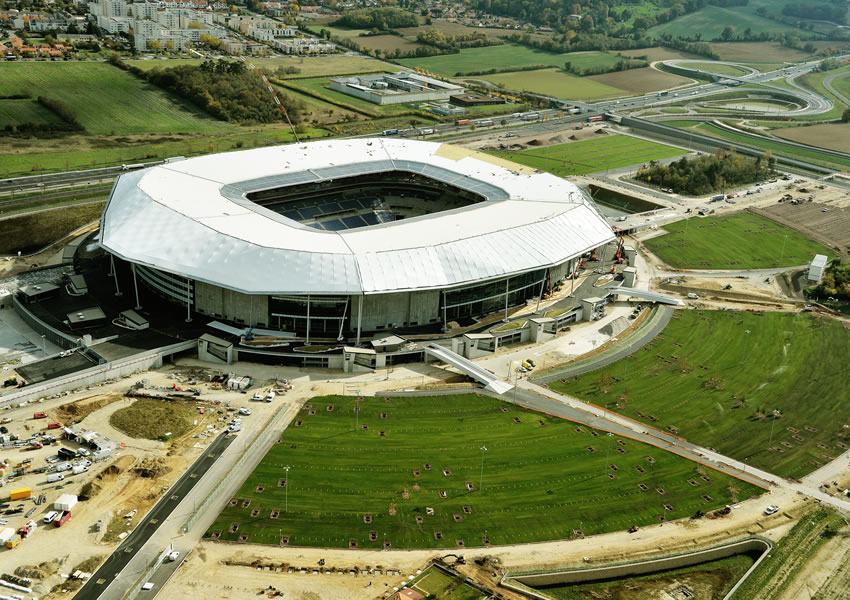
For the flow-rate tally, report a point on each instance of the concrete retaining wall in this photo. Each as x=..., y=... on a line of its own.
x=633, y=569
x=151, y=359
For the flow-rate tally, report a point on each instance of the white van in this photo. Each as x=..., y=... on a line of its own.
x=270, y=396
x=54, y=477
x=48, y=518
x=692, y=296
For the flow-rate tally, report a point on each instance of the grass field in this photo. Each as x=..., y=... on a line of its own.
x=813, y=156
x=318, y=85
x=439, y=585
x=507, y=56
x=745, y=52
x=74, y=153
x=43, y=228
x=554, y=82
x=591, y=156
x=713, y=67
x=712, y=376
x=540, y=479
x=106, y=99
x=18, y=112
x=814, y=81
x=711, y=20
x=748, y=242
x=712, y=580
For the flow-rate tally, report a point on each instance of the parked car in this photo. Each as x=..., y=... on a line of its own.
x=771, y=509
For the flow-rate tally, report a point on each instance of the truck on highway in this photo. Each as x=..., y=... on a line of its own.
x=718, y=198
x=462, y=122
x=530, y=116
x=389, y=132
x=484, y=123
x=595, y=119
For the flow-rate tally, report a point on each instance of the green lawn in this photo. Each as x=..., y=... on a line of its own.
x=814, y=81
x=591, y=156
x=554, y=82
x=777, y=147
x=439, y=585
x=711, y=20
x=18, y=112
x=506, y=56
x=740, y=241
x=711, y=376
x=713, y=67
x=106, y=99
x=540, y=480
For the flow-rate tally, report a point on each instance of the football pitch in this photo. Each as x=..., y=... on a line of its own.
x=715, y=378
x=414, y=473
x=592, y=156
x=749, y=241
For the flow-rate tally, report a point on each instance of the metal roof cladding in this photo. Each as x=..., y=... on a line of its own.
x=193, y=218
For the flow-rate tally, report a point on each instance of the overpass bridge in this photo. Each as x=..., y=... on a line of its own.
x=466, y=366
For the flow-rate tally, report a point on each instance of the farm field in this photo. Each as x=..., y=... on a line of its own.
x=713, y=377
x=834, y=136
x=778, y=147
x=543, y=478
x=507, y=56
x=768, y=51
x=591, y=156
x=554, y=82
x=708, y=580
x=711, y=20
x=106, y=99
x=749, y=242
x=311, y=66
x=640, y=81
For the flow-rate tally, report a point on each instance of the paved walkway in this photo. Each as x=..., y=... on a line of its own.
x=536, y=397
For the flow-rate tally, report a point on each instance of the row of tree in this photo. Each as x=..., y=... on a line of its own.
x=708, y=172
x=227, y=90
x=383, y=19
x=453, y=43
x=835, y=283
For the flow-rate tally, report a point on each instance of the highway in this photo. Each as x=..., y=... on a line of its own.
x=119, y=559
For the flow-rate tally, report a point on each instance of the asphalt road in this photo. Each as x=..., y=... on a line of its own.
x=151, y=522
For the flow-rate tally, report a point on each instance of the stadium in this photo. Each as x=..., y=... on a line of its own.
x=338, y=239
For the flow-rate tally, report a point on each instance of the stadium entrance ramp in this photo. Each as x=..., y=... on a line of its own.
x=466, y=366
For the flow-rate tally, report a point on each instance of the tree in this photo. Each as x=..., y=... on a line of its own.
x=169, y=45
x=845, y=117
x=727, y=34
x=153, y=45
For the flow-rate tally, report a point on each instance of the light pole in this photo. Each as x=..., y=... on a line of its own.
x=286, y=487
x=607, y=452
x=775, y=413
x=481, y=478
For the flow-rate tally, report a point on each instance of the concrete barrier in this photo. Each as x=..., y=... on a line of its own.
x=636, y=568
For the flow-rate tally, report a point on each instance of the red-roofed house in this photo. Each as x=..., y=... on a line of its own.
x=407, y=594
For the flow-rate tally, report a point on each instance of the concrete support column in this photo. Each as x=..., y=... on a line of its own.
x=540, y=295
x=115, y=275
x=136, y=286
x=359, y=317
x=507, y=291
x=188, y=300
x=308, y=320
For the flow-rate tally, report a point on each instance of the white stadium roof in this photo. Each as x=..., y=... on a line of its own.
x=192, y=218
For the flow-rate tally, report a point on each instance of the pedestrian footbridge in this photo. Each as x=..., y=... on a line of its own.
x=466, y=366
x=647, y=295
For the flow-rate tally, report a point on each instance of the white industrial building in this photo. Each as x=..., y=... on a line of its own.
x=395, y=88
x=817, y=267
x=333, y=239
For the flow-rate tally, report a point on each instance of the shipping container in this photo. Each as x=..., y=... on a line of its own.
x=62, y=519
x=20, y=493
x=6, y=535
x=13, y=541
x=65, y=502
